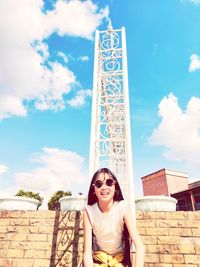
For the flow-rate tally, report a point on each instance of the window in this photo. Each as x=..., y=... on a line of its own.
x=197, y=202
x=181, y=205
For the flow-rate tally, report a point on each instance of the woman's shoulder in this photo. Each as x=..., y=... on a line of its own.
x=122, y=205
x=91, y=208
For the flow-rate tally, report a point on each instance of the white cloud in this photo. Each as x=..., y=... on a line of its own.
x=64, y=57
x=179, y=131
x=57, y=169
x=76, y=18
x=80, y=98
x=60, y=80
x=83, y=58
x=11, y=105
x=26, y=71
x=196, y=2
x=194, y=63
x=3, y=168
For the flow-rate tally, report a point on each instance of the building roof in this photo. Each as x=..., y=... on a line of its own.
x=187, y=190
x=166, y=171
x=194, y=184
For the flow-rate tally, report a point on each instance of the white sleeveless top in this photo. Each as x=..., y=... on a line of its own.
x=108, y=227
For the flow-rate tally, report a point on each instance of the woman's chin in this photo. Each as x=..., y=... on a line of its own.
x=105, y=198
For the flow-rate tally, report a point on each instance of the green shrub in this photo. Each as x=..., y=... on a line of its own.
x=53, y=203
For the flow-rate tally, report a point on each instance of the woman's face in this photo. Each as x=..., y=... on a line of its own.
x=104, y=187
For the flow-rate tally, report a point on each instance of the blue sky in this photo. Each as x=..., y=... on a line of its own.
x=46, y=76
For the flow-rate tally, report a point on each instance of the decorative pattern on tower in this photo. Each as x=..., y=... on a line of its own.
x=110, y=142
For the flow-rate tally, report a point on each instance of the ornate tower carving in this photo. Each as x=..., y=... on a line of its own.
x=110, y=140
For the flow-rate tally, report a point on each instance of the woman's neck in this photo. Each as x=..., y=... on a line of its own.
x=105, y=206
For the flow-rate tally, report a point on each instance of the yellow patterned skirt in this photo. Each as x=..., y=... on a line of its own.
x=105, y=260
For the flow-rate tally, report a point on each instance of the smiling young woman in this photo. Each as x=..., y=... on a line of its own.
x=108, y=225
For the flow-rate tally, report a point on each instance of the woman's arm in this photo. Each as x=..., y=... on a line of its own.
x=136, y=239
x=87, y=244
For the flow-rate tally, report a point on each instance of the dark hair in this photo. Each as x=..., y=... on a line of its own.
x=118, y=196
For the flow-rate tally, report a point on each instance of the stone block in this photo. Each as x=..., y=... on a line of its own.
x=174, y=258
x=189, y=223
x=151, y=258
x=37, y=237
x=166, y=223
x=157, y=231
x=180, y=232
x=4, y=221
x=196, y=232
x=45, y=229
x=149, y=240
x=168, y=240
x=41, y=221
x=34, y=254
x=21, y=222
x=3, y=229
x=197, y=249
x=15, y=237
x=192, y=259
x=187, y=249
x=177, y=215
x=145, y=223
x=22, y=263
x=193, y=215
x=142, y=231
x=13, y=253
x=5, y=244
x=159, y=249
x=139, y=215
x=41, y=263
x=154, y=215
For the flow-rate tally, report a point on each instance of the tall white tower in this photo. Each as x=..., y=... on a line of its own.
x=110, y=140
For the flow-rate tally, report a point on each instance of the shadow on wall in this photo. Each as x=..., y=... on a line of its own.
x=67, y=241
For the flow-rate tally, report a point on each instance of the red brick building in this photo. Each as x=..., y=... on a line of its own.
x=173, y=183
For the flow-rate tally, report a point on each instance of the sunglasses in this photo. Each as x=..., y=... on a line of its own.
x=108, y=182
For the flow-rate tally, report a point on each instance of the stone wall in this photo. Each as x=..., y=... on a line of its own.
x=55, y=239
x=172, y=239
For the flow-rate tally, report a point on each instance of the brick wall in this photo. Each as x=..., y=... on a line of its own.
x=164, y=182
x=172, y=239
x=55, y=239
